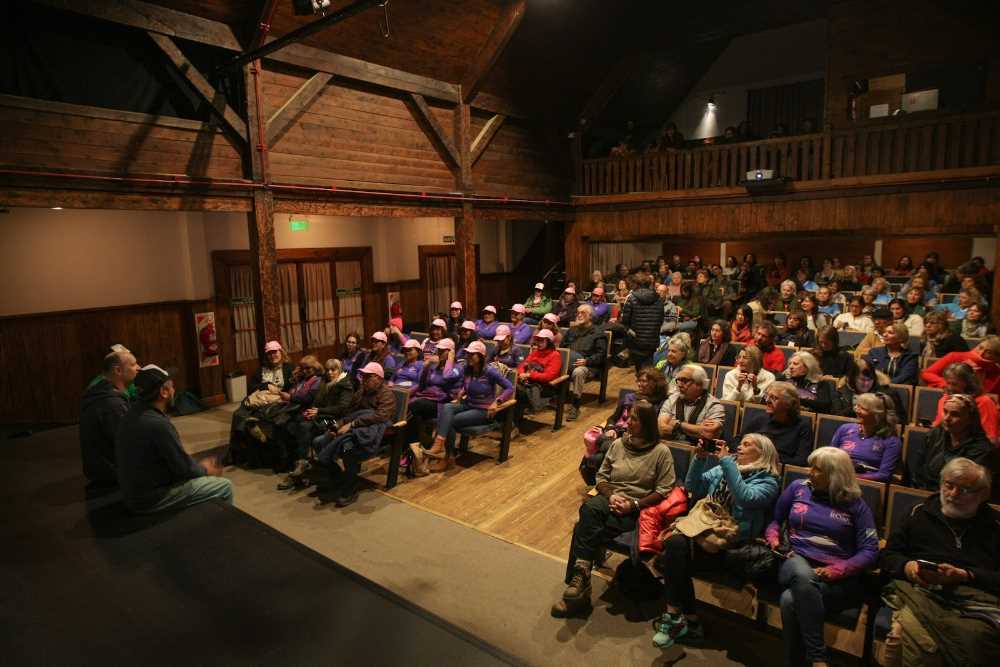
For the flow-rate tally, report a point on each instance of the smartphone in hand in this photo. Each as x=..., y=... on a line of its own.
x=927, y=566
x=710, y=446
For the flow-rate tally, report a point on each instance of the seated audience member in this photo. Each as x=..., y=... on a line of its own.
x=959, y=435
x=466, y=334
x=881, y=319
x=691, y=412
x=358, y=436
x=854, y=319
x=520, y=329
x=825, y=303
x=596, y=280
x=542, y=365
x=690, y=307
x=872, y=443
x=671, y=314
x=956, y=309
x=748, y=381
x=714, y=349
x=677, y=356
x=914, y=298
x=983, y=359
x=602, y=309
x=440, y=381
x=894, y=357
x=796, y=333
x=901, y=315
x=741, y=329
x=814, y=319
x=832, y=540
x=764, y=336
x=961, y=379
x=939, y=340
x=505, y=353
x=394, y=333
x=787, y=298
x=790, y=432
x=904, y=266
x=804, y=281
x=939, y=580
x=333, y=400
x=102, y=407
x=408, y=373
x=836, y=296
x=380, y=353
x=861, y=378
x=622, y=293
x=486, y=326
x=476, y=405
x=439, y=330
x=641, y=317
x=832, y=360
x=154, y=471
x=588, y=354
x=867, y=300
x=976, y=322
x=350, y=358
x=129, y=391
x=551, y=322
x=276, y=371
x=565, y=307
x=746, y=484
x=652, y=388
x=636, y=473
x=456, y=317
x=804, y=373
x=883, y=293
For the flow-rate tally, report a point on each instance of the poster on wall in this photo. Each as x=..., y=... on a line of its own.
x=208, y=342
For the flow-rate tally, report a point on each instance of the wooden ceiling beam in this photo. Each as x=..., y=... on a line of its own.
x=490, y=53
x=485, y=136
x=215, y=99
x=425, y=117
x=299, y=102
x=258, y=32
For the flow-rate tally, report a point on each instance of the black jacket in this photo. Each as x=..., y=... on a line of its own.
x=566, y=312
x=835, y=363
x=334, y=399
x=643, y=315
x=591, y=344
x=257, y=380
x=793, y=441
x=101, y=410
x=926, y=535
x=924, y=469
x=950, y=343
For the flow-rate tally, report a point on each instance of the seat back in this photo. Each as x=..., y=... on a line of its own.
x=709, y=371
x=750, y=410
x=731, y=426
x=402, y=397
x=925, y=403
x=524, y=348
x=972, y=342
x=421, y=336
x=905, y=394
x=564, y=353
x=779, y=317
x=720, y=379
x=826, y=426
x=788, y=351
x=682, y=459
x=914, y=443
x=851, y=338
x=902, y=500
x=915, y=344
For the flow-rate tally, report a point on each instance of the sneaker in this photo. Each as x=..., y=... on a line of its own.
x=672, y=630
x=572, y=413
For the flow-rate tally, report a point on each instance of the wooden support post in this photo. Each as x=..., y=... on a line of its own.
x=425, y=117
x=465, y=223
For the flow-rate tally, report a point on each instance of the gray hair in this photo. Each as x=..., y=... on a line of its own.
x=813, y=370
x=885, y=412
x=768, y=460
x=698, y=374
x=679, y=343
x=844, y=488
x=961, y=466
x=586, y=308
x=787, y=392
x=790, y=283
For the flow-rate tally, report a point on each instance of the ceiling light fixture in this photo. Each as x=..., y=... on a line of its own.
x=57, y=208
x=711, y=103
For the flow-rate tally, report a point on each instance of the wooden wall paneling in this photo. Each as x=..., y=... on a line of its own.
x=689, y=247
x=954, y=250
x=849, y=249
x=300, y=100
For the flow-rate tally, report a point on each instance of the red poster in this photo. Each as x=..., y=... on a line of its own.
x=208, y=342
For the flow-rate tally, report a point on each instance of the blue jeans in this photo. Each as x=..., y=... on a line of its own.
x=191, y=492
x=805, y=602
x=455, y=416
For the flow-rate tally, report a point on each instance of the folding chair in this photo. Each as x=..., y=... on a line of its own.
x=925, y=404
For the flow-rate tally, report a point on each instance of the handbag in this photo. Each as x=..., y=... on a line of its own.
x=710, y=525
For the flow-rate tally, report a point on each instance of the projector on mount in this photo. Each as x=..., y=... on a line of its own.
x=762, y=181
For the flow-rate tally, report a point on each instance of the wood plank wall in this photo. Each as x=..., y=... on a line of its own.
x=46, y=360
x=518, y=163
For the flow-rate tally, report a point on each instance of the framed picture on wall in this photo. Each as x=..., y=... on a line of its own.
x=208, y=341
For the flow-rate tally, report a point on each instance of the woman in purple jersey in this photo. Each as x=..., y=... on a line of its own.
x=872, y=444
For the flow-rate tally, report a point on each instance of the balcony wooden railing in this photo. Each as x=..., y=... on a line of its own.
x=868, y=148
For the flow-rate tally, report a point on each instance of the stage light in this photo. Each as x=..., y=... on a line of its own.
x=57, y=208
x=711, y=103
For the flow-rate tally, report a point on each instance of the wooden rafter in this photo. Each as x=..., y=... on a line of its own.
x=485, y=136
x=299, y=102
x=258, y=32
x=425, y=117
x=215, y=99
x=488, y=56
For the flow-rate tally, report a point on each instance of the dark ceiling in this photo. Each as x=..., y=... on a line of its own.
x=560, y=54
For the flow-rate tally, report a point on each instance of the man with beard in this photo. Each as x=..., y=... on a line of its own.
x=588, y=353
x=945, y=563
x=154, y=471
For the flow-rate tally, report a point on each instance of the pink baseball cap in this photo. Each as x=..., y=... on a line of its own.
x=380, y=335
x=540, y=286
x=551, y=317
x=273, y=346
x=502, y=332
x=456, y=304
x=396, y=322
x=598, y=291
x=475, y=347
x=569, y=290
x=544, y=333
x=439, y=323
x=491, y=309
x=445, y=344
x=468, y=324
x=414, y=343
x=518, y=308
x=371, y=368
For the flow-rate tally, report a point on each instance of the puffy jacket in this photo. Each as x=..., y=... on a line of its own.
x=643, y=315
x=542, y=365
x=753, y=495
x=540, y=309
x=653, y=519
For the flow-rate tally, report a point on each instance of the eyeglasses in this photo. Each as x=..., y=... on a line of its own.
x=957, y=489
x=683, y=380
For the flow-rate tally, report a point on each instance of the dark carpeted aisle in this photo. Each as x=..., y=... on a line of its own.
x=208, y=585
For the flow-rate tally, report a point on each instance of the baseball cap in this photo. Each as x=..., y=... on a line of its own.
x=468, y=324
x=396, y=322
x=518, y=308
x=476, y=347
x=599, y=291
x=551, y=317
x=502, y=332
x=439, y=323
x=540, y=286
x=569, y=290
x=380, y=335
x=445, y=344
x=150, y=378
x=456, y=304
x=372, y=368
x=414, y=343
x=273, y=346
x=544, y=333
x=881, y=314
x=491, y=309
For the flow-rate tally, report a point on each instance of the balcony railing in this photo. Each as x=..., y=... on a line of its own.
x=869, y=148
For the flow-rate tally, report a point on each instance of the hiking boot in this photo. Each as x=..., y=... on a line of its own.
x=579, y=584
x=563, y=609
x=572, y=413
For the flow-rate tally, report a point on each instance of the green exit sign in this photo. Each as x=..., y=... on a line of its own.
x=298, y=225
